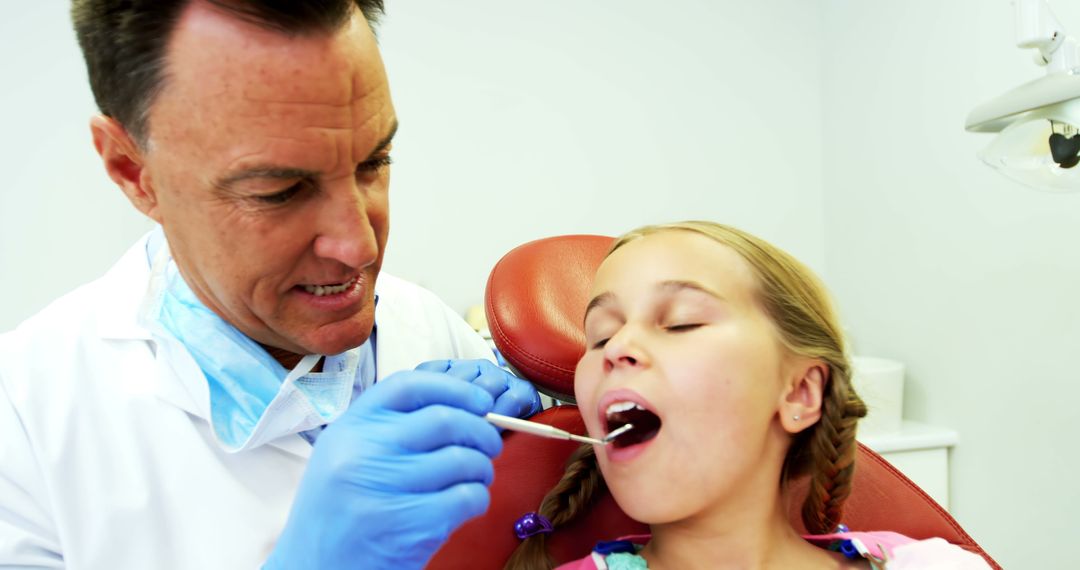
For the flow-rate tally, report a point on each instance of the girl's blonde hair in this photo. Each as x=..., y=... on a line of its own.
x=799, y=306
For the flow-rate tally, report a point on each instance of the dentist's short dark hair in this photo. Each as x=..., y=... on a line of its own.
x=124, y=42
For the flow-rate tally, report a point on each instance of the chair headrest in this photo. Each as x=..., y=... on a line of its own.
x=535, y=306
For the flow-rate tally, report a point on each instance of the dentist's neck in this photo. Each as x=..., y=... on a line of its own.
x=289, y=359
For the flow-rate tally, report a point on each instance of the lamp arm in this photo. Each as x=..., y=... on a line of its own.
x=1038, y=28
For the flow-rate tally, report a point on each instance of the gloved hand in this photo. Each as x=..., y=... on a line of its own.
x=389, y=480
x=513, y=396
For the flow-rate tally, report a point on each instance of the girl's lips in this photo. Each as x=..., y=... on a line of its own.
x=625, y=454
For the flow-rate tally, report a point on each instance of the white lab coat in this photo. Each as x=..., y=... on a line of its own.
x=107, y=459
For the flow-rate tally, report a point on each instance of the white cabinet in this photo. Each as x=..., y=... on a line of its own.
x=919, y=451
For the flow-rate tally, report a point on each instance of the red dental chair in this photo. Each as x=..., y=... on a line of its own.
x=535, y=305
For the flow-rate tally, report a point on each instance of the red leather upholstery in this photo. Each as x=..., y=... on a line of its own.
x=883, y=498
x=535, y=305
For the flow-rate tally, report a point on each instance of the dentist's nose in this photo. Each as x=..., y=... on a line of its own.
x=347, y=234
x=624, y=350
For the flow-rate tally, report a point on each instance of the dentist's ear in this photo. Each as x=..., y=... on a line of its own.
x=800, y=403
x=124, y=162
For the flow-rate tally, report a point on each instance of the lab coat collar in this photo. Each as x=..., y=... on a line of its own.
x=178, y=380
x=126, y=284
x=123, y=290
x=395, y=322
x=182, y=384
x=294, y=444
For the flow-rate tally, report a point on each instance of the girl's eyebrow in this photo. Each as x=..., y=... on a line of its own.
x=675, y=286
x=601, y=300
x=664, y=287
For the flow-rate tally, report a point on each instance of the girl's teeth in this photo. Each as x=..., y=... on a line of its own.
x=323, y=290
x=621, y=407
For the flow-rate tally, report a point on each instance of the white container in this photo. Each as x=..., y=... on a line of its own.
x=880, y=384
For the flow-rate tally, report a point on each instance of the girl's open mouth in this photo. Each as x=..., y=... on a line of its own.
x=646, y=424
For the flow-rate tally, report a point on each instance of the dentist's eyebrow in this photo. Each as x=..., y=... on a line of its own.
x=268, y=172
x=385, y=142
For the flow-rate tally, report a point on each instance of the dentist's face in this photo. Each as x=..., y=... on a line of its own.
x=677, y=343
x=268, y=159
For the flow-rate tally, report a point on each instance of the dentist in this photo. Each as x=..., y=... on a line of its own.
x=243, y=388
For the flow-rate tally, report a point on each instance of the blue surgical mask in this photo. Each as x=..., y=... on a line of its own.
x=253, y=398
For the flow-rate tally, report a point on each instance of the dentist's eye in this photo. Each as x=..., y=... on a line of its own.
x=374, y=164
x=683, y=327
x=283, y=196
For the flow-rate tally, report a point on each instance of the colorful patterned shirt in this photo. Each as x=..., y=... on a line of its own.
x=883, y=549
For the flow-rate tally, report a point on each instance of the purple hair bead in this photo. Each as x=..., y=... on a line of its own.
x=531, y=524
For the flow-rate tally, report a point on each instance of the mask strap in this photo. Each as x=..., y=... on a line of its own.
x=302, y=369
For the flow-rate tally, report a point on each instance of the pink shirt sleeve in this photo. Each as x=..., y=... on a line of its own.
x=903, y=553
x=934, y=554
x=874, y=542
x=579, y=564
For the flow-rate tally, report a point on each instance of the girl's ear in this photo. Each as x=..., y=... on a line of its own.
x=800, y=402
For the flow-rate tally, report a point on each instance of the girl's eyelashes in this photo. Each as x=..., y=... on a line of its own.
x=682, y=327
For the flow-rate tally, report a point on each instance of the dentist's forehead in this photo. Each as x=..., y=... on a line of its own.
x=262, y=94
x=213, y=53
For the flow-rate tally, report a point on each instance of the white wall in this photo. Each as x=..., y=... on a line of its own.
x=522, y=121
x=588, y=117
x=62, y=222
x=940, y=262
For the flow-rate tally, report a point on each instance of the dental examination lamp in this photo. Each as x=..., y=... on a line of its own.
x=1039, y=121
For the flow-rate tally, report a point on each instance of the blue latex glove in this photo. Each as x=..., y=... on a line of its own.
x=513, y=396
x=389, y=480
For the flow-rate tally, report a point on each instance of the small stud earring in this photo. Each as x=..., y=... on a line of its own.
x=795, y=417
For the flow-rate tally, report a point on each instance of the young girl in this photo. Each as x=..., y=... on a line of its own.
x=725, y=355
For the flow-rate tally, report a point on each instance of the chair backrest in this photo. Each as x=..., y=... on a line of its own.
x=535, y=305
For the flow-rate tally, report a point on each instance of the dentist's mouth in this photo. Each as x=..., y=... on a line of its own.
x=331, y=289
x=646, y=424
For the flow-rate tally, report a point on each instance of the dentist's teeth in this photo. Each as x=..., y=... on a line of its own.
x=619, y=407
x=323, y=290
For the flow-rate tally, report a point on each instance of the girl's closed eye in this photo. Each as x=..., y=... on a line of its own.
x=682, y=319
x=599, y=337
x=599, y=328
